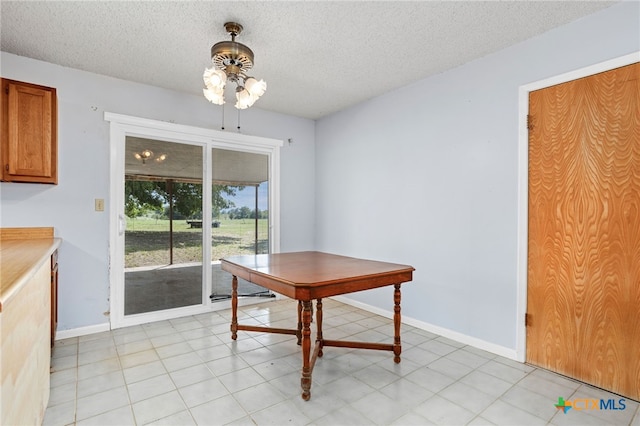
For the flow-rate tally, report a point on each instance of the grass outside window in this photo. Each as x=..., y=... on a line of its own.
x=147, y=240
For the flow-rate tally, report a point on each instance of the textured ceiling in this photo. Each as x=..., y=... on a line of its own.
x=317, y=57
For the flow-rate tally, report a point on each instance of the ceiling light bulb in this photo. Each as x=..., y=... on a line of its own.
x=245, y=99
x=255, y=87
x=147, y=153
x=214, y=78
x=214, y=96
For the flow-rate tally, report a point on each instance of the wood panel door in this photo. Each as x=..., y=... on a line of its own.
x=583, y=291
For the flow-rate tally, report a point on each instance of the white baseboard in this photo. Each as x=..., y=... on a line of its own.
x=444, y=332
x=82, y=331
x=441, y=331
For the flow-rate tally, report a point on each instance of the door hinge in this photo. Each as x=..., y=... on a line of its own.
x=527, y=320
x=529, y=122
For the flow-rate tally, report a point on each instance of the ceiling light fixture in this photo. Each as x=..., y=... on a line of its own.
x=147, y=154
x=144, y=155
x=231, y=61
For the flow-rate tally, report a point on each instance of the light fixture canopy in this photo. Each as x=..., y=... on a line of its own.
x=231, y=62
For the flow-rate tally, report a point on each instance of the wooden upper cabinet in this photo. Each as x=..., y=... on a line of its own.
x=29, y=149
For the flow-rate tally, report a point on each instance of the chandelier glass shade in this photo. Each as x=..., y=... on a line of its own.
x=231, y=62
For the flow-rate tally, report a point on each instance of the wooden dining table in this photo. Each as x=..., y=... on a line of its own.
x=311, y=275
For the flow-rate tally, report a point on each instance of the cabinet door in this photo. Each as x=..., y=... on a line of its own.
x=29, y=148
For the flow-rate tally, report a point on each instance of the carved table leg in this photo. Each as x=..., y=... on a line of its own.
x=397, y=348
x=299, y=333
x=306, y=350
x=319, y=324
x=234, y=308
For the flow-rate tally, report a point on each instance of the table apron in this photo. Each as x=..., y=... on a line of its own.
x=323, y=290
x=336, y=289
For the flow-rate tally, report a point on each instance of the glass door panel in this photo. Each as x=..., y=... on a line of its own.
x=163, y=238
x=240, y=210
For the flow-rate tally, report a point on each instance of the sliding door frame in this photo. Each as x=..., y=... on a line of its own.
x=122, y=126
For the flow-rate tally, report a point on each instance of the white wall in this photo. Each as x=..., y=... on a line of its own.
x=427, y=175
x=83, y=143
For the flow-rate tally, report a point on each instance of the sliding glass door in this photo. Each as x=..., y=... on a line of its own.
x=240, y=210
x=163, y=237
x=183, y=197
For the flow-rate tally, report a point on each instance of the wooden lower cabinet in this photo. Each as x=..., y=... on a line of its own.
x=25, y=331
x=28, y=289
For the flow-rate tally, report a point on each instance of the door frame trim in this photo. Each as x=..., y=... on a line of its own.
x=121, y=126
x=523, y=180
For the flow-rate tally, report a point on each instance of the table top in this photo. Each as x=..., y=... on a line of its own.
x=312, y=274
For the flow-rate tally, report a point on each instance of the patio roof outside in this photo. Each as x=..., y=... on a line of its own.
x=183, y=163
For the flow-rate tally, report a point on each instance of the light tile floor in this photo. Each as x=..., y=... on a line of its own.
x=188, y=371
